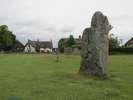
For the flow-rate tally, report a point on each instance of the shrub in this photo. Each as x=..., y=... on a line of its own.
x=121, y=50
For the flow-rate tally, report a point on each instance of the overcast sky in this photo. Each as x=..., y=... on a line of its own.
x=53, y=19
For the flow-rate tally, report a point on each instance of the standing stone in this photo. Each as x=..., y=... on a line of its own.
x=94, y=45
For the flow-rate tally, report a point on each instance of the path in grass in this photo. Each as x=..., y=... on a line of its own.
x=40, y=77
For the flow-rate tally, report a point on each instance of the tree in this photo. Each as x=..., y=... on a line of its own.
x=70, y=41
x=61, y=45
x=7, y=39
x=113, y=41
x=65, y=43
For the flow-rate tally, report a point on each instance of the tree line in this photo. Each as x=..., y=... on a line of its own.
x=65, y=43
x=8, y=39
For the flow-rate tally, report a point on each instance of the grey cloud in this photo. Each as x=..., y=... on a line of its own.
x=36, y=29
x=36, y=25
x=53, y=19
x=123, y=18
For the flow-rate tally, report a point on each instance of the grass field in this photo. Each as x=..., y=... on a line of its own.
x=40, y=77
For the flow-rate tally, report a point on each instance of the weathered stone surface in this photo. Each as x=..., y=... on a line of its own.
x=94, y=45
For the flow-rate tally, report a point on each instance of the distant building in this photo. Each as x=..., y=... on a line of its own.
x=75, y=49
x=18, y=46
x=68, y=50
x=38, y=46
x=129, y=42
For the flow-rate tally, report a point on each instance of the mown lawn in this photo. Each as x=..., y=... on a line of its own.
x=40, y=77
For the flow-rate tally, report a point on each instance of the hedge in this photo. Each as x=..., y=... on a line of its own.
x=121, y=50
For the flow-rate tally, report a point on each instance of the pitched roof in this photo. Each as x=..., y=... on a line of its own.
x=45, y=44
x=18, y=44
x=41, y=44
x=129, y=42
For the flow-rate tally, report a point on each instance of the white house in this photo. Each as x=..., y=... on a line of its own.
x=38, y=46
x=29, y=48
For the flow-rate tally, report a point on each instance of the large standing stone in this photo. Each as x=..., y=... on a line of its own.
x=95, y=46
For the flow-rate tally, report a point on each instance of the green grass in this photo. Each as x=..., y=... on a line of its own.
x=40, y=77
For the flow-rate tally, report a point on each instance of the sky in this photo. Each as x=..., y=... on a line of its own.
x=46, y=20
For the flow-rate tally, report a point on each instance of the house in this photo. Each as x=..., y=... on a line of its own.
x=38, y=46
x=129, y=42
x=18, y=46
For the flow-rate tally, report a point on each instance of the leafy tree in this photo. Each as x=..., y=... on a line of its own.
x=113, y=41
x=64, y=43
x=70, y=41
x=61, y=45
x=7, y=39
